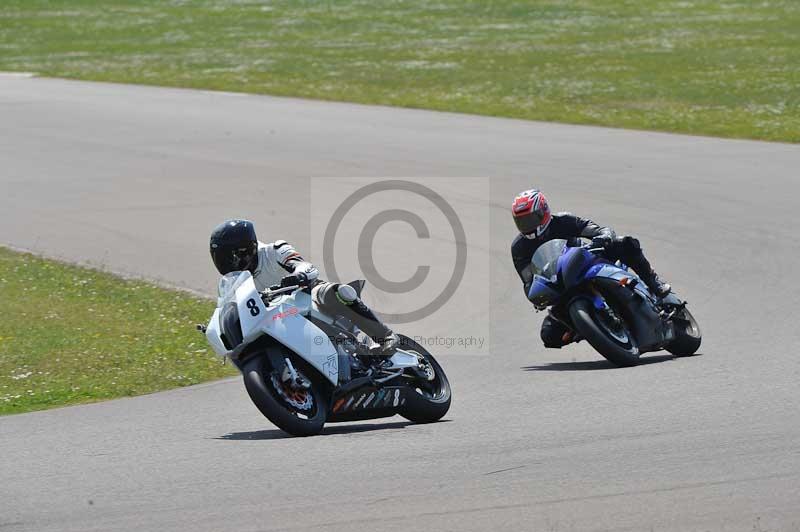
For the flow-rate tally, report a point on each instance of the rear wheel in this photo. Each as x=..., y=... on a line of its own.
x=687, y=335
x=300, y=411
x=428, y=397
x=606, y=331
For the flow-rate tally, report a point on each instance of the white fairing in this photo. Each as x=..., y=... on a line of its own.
x=213, y=335
x=284, y=320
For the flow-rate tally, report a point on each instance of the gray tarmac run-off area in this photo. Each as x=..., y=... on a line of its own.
x=133, y=178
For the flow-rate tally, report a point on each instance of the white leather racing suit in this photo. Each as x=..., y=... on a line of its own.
x=279, y=259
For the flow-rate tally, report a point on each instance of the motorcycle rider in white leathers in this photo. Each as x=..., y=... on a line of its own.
x=234, y=247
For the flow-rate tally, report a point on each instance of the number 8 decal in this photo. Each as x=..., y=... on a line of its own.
x=253, y=306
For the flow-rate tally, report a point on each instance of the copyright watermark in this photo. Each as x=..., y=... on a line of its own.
x=420, y=244
x=431, y=343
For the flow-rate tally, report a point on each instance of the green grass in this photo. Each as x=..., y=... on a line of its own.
x=715, y=67
x=72, y=335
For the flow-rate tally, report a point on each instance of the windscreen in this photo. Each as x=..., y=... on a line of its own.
x=228, y=285
x=545, y=259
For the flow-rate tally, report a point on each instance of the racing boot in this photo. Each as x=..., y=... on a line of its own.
x=366, y=320
x=634, y=256
x=655, y=284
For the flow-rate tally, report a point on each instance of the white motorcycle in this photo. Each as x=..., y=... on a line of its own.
x=302, y=367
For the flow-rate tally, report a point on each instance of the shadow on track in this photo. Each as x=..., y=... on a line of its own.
x=594, y=364
x=276, y=434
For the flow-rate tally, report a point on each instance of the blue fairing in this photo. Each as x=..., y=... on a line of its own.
x=573, y=264
x=559, y=269
x=612, y=271
x=564, y=274
x=542, y=292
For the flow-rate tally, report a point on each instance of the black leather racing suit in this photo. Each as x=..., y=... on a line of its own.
x=570, y=227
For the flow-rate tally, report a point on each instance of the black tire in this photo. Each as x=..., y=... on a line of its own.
x=431, y=401
x=257, y=380
x=687, y=335
x=586, y=321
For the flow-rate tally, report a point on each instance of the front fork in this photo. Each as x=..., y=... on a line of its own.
x=560, y=313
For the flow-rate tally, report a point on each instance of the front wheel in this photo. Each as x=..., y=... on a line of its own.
x=606, y=331
x=428, y=397
x=687, y=335
x=298, y=411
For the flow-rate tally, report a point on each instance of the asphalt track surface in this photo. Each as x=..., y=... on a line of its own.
x=132, y=179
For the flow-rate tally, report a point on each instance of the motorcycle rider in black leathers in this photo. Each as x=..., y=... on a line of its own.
x=234, y=247
x=538, y=225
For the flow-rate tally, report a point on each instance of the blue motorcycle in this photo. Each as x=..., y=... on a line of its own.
x=609, y=305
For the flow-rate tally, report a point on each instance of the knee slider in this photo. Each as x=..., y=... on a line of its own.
x=551, y=338
x=346, y=294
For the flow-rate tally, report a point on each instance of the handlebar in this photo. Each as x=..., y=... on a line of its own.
x=274, y=291
x=593, y=250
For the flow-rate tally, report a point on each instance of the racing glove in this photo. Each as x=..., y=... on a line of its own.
x=302, y=276
x=601, y=241
x=295, y=279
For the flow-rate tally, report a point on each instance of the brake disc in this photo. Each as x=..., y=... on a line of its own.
x=299, y=398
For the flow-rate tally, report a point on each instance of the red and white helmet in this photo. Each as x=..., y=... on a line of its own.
x=531, y=213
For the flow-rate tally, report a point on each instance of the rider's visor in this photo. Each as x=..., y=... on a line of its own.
x=241, y=258
x=230, y=259
x=529, y=223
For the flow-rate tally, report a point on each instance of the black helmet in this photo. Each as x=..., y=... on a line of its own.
x=234, y=246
